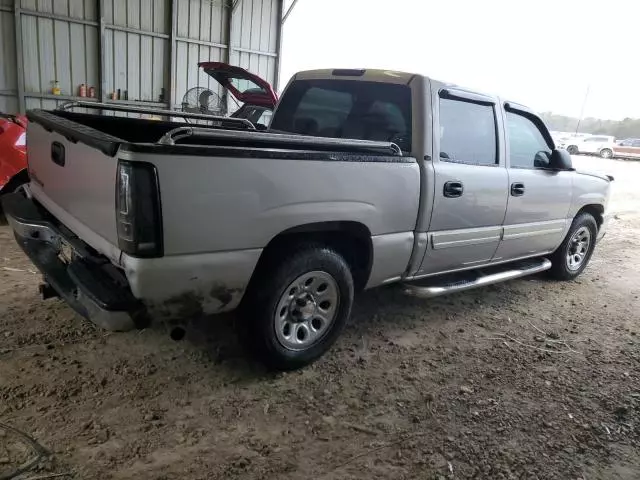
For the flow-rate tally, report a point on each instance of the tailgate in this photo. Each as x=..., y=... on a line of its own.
x=74, y=179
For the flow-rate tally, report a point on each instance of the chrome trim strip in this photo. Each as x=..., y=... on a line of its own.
x=534, y=233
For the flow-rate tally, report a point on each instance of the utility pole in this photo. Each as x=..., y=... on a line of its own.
x=584, y=102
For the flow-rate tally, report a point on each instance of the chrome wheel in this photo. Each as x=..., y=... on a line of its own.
x=606, y=153
x=578, y=248
x=306, y=310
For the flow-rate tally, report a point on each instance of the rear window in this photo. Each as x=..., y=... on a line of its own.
x=347, y=109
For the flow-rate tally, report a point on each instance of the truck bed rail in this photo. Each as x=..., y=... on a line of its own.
x=282, y=140
x=157, y=111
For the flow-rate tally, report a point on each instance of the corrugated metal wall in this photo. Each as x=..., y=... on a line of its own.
x=148, y=50
x=8, y=78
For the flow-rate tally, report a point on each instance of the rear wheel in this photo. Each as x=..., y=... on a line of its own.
x=573, y=255
x=573, y=150
x=296, y=308
x=606, y=153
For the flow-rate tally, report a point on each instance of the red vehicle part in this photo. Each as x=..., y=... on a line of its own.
x=246, y=87
x=13, y=151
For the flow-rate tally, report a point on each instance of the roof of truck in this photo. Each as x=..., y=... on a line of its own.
x=368, y=74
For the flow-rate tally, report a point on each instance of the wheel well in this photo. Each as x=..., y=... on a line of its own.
x=350, y=239
x=21, y=177
x=596, y=211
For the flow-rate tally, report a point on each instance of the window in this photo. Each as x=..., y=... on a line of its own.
x=467, y=132
x=265, y=118
x=527, y=145
x=347, y=109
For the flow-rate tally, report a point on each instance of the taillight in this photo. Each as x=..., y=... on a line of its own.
x=138, y=215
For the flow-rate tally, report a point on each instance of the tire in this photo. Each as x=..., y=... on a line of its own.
x=573, y=150
x=16, y=182
x=606, y=153
x=281, y=332
x=564, y=260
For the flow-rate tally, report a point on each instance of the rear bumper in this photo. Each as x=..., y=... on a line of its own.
x=85, y=280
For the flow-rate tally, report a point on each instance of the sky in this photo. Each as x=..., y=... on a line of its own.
x=542, y=53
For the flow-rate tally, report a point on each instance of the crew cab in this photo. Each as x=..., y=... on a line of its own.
x=364, y=178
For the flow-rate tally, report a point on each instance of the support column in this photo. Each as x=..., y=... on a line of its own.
x=172, y=60
x=19, y=56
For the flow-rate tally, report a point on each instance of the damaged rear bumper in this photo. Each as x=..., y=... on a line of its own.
x=88, y=282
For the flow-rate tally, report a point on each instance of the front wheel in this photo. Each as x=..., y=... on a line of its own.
x=573, y=255
x=606, y=153
x=296, y=307
x=573, y=150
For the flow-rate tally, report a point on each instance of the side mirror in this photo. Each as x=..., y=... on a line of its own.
x=560, y=160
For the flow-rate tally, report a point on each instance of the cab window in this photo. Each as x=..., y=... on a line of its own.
x=347, y=109
x=527, y=145
x=467, y=133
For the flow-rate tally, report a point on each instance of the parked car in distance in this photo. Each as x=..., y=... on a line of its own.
x=13, y=152
x=601, y=145
x=365, y=178
x=627, y=148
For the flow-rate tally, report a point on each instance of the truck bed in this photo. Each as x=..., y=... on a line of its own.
x=108, y=133
x=224, y=195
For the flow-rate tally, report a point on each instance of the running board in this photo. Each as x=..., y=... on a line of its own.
x=436, y=286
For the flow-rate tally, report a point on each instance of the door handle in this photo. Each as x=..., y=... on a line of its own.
x=453, y=189
x=517, y=189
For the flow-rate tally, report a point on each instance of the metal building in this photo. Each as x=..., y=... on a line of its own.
x=146, y=49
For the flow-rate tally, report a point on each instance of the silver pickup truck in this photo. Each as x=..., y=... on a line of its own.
x=364, y=178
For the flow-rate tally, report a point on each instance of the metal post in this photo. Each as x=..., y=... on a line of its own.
x=289, y=10
x=276, y=83
x=172, y=62
x=102, y=53
x=19, y=56
x=231, y=8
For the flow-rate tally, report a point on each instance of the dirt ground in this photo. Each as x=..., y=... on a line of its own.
x=531, y=379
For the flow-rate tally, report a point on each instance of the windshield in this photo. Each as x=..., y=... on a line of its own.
x=347, y=109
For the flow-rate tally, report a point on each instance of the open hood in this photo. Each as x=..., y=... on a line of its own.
x=243, y=85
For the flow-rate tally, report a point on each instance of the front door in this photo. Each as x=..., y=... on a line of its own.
x=539, y=198
x=471, y=183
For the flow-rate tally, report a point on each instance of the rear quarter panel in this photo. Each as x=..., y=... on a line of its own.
x=13, y=159
x=219, y=213
x=212, y=204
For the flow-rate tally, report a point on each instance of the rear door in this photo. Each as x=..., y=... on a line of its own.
x=470, y=197
x=539, y=198
x=591, y=145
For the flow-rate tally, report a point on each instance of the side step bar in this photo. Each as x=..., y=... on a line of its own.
x=434, y=287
